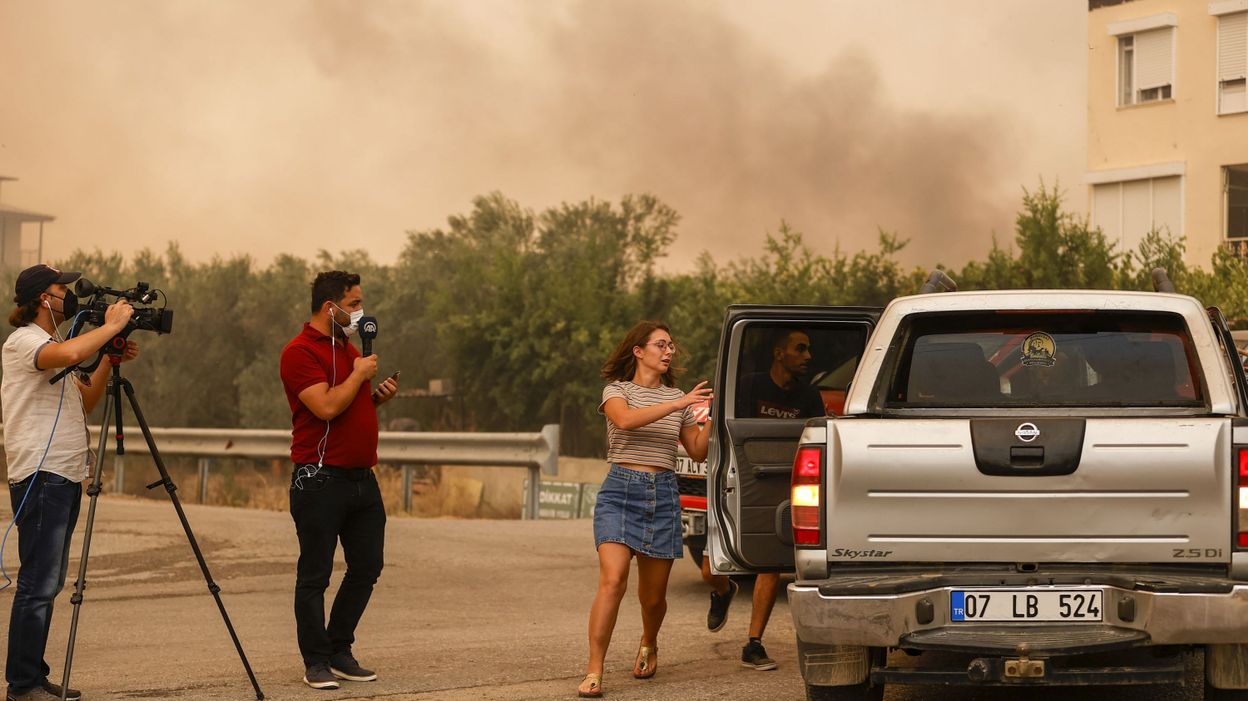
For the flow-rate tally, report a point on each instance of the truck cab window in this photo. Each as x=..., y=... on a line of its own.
x=796, y=371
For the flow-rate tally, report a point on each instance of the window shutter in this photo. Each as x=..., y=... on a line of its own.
x=1233, y=46
x=1167, y=205
x=1152, y=59
x=1107, y=210
x=1137, y=213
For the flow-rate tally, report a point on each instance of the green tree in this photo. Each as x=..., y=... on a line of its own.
x=1059, y=250
x=528, y=306
x=520, y=308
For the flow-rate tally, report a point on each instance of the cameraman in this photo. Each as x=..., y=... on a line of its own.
x=334, y=494
x=45, y=439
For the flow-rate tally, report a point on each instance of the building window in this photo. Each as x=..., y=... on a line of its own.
x=1232, y=62
x=1126, y=74
x=1236, y=183
x=1145, y=66
x=1126, y=211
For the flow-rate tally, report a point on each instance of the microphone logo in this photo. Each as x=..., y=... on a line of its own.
x=368, y=331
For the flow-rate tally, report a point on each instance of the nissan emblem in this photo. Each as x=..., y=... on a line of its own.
x=1027, y=432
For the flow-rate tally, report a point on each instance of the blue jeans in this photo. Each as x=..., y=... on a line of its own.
x=44, y=530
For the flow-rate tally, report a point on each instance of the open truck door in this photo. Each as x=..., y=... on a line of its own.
x=757, y=423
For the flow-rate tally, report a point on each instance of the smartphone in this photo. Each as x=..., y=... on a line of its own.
x=394, y=376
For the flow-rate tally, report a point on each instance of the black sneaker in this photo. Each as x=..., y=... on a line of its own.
x=344, y=666
x=55, y=690
x=318, y=676
x=718, y=615
x=755, y=655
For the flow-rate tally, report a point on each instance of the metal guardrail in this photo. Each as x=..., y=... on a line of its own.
x=538, y=452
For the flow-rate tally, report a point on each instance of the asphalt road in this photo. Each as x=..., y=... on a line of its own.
x=465, y=609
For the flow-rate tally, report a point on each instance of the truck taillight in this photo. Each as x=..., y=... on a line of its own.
x=805, y=503
x=1241, y=536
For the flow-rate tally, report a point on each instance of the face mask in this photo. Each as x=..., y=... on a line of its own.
x=355, y=317
x=69, y=304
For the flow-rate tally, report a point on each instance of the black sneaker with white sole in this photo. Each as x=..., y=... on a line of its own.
x=318, y=676
x=718, y=615
x=755, y=655
x=344, y=666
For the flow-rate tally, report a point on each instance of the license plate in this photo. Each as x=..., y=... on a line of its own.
x=686, y=466
x=1026, y=605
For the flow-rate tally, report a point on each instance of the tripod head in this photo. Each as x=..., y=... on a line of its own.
x=114, y=350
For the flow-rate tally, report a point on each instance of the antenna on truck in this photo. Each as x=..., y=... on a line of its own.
x=938, y=281
x=1161, y=281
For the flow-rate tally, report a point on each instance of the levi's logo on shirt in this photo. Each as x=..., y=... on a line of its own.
x=778, y=411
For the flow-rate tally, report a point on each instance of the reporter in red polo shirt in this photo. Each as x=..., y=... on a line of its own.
x=333, y=493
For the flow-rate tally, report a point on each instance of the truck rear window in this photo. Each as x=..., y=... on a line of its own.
x=1050, y=359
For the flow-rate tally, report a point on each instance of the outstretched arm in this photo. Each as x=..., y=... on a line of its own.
x=622, y=416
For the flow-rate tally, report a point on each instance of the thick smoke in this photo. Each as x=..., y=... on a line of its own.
x=689, y=107
x=292, y=126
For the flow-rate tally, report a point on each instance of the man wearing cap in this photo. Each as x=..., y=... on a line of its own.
x=45, y=440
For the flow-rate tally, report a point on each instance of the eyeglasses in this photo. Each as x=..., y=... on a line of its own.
x=663, y=345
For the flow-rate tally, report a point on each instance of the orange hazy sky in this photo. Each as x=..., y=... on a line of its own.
x=297, y=125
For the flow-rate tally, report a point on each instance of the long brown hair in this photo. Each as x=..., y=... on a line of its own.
x=24, y=314
x=622, y=364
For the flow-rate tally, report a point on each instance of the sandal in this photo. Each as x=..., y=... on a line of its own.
x=595, y=687
x=643, y=669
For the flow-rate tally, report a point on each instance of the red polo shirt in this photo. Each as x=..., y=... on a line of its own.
x=310, y=359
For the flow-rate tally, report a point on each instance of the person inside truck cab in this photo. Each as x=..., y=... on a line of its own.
x=780, y=392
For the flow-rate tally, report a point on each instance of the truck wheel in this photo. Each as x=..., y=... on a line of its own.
x=696, y=544
x=853, y=692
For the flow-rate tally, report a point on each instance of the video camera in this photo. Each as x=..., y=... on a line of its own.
x=141, y=297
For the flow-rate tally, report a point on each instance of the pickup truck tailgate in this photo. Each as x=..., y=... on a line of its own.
x=1141, y=490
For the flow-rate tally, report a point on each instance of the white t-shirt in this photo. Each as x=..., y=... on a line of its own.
x=29, y=406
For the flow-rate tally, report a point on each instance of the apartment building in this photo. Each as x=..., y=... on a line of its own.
x=1168, y=122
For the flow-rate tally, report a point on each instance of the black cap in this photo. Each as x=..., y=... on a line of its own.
x=38, y=278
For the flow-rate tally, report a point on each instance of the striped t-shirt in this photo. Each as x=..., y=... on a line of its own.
x=654, y=444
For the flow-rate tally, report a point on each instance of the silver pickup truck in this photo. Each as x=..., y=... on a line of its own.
x=1024, y=488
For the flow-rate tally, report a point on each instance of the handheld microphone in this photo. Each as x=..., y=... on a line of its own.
x=368, y=331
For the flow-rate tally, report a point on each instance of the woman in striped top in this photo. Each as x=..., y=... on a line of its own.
x=638, y=509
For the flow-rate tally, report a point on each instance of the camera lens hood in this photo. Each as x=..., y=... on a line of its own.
x=84, y=287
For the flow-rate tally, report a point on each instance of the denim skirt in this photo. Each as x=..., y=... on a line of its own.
x=640, y=510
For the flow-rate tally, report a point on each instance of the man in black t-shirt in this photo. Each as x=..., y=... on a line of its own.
x=780, y=393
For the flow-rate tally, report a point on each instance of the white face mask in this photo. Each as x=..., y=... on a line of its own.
x=355, y=317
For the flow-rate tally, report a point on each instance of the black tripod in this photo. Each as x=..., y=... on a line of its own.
x=116, y=383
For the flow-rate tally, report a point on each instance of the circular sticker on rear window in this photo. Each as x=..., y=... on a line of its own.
x=1039, y=349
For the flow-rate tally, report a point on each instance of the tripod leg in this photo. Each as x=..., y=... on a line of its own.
x=171, y=488
x=93, y=491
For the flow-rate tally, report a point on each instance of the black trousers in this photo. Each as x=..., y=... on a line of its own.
x=327, y=508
